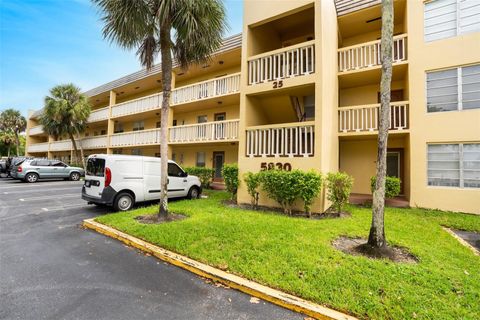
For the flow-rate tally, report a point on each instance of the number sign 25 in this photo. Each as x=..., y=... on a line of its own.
x=277, y=84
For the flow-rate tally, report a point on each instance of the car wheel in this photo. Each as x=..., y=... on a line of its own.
x=123, y=202
x=31, y=177
x=74, y=176
x=193, y=193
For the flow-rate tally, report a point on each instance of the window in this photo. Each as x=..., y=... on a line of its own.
x=174, y=123
x=43, y=163
x=138, y=125
x=174, y=170
x=103, y=132
x=136, y=152
x=454, y=165
x=200, y=159
x=174, y=157
x=157, y=154
x=453, y=89
x=449, y=18
x=117, y=151
x=57, y=164
x=202, y=119
x=118, y=127
x=95, y=167
x=158, y=124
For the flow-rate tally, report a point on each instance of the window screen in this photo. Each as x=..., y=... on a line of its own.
x=471, y=87
x=449, y=18
x=200, y=159
x=454, y=165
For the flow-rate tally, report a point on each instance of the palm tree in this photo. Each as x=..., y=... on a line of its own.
x=7, y=137
x=11, y=119
x=376, y=238
x=188, y=30
x=65, y=114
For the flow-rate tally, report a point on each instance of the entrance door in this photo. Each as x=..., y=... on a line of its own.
x=395, y=166
x=218, y=160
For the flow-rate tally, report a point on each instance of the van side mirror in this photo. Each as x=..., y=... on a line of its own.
x=185, y=174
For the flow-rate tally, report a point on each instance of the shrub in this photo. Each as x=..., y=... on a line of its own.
x=204, y=174
x=281, y=186
x=253, y=181
x=392, y=186
x=309, y=187
x=230, y=176
x=339, y=186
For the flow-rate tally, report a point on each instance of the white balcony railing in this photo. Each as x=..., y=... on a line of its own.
x=62, y=145
x=97, y=142
x=207, y=89
x=36, y=130
x=365, y=118
x=208, y=131
x=293, y=61
x=143, y=104
x=285, y=140
x=98, y=115
x=135, y=138
x=368, y=54
x=38, y=147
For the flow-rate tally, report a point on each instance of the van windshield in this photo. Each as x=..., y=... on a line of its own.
x=95, y=167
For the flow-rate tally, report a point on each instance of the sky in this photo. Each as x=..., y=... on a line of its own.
x=44, y=43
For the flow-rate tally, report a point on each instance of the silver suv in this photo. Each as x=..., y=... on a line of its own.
x=32, y=170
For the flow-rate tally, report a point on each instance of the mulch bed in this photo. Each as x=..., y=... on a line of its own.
x=154, y=219
x=359, y=247
x=296, y=214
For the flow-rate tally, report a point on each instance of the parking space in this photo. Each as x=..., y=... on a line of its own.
x=51, y=268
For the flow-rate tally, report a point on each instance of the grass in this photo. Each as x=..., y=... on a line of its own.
x=295, y=255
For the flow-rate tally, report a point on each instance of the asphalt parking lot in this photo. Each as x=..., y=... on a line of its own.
x=51, y=268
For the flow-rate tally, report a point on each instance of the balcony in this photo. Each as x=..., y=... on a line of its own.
x=282, y=140
x=98, y=142
x=205, y=132
x=365, y=118
x=143, y=104
x=207, y=89
x=98, y=115
x=368, y=55
x=38, y=147
x=135, y=138
x=62, y=145
x=292, y=61
x=36, y=130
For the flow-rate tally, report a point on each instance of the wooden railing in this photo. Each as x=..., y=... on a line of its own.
x=283, y=140
x=98, y=115
x=36, y=130
x=143, y=104
x=135, y=138
x=207, y=89
x=94, y=142
x=367, y=54
x=62, y=145
x=365, y=118
x=283, y=63
x=38, y=147
x=208, y=131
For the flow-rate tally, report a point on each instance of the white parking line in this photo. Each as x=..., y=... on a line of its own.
x=43, y=210
x=4, y=186
x=41, y=190
x=68, y=195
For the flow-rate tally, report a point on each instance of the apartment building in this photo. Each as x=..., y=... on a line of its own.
x=299, y=89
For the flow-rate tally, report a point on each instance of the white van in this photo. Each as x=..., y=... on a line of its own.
x=121, y=181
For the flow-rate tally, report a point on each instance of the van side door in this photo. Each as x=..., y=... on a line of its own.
x=151, y=178
x=177, y=181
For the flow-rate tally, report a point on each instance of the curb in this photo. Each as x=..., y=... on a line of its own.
x=252, y=288
x=463, y=242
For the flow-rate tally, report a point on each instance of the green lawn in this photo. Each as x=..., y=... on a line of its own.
x=296, y=256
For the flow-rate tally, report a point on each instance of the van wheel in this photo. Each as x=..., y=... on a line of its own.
x=74, y=176
x=31, y=177
x=193, y=193
x=123, y=202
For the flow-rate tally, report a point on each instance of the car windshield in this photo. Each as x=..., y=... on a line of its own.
x=95, y=167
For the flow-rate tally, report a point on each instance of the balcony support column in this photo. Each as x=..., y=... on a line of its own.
x=111, y=122
x=49, y=153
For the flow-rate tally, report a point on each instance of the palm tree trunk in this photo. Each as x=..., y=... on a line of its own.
x=166, y=54
x=376, y=237
x=17, y=141
x=74, y=144
x=81, y=151
x=8, y=150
